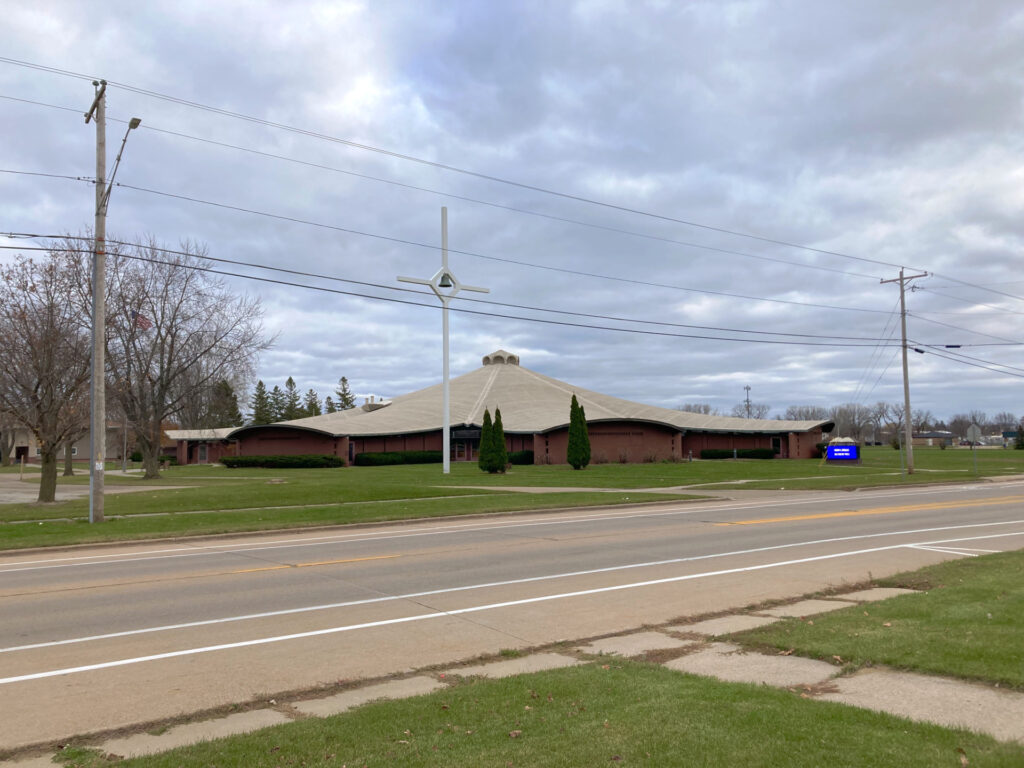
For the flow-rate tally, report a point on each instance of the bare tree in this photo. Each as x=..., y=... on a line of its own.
x=757, y=410
x=978, y=417
x=704, y=409
x=806, y=413
x=922, y=420
x=7, y=426
x=959, y=424
x=44, y=360
x=851, y=419
x=1004, y=421
x=174, y=331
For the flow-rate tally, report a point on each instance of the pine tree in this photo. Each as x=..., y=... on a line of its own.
x=292, y=401
x=329, y=406
x=1018, y=442
x=311, y=404
x=578, y=450
x=346, y=399
x=498, y=447
x=277, y=404
x=486, y=443
x=262, y=410
x=224, y=405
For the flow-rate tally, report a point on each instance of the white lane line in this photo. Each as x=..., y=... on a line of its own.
x=350, y=537
x=525, y=580
x=943, y=550
x=424, y=616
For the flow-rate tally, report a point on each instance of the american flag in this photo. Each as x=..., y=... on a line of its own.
x=141, y=321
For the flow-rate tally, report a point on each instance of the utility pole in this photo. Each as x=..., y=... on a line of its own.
x=747, y=388
x=98, y=417
x=908, y=432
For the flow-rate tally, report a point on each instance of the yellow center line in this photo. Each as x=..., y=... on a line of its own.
x=321, y=562
x=883, y=510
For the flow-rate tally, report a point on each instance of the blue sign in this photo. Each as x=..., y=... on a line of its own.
x=841, y=453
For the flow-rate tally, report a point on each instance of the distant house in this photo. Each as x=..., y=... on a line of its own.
x=934, y=437
x=535, y=416
x=203, y=446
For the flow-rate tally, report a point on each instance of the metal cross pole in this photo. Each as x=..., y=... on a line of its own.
x=444, y=278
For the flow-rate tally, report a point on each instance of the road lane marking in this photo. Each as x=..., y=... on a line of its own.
x=444, y=614
x=943, y=550
x=881, y=511
x=350, y=537
x=511, y=582
x=309, y=565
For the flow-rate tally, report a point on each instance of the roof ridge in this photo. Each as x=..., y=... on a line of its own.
x=563, y=386
x=484, y=391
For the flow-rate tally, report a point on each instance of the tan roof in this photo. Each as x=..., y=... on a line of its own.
x=219, y=433
x=530, y=402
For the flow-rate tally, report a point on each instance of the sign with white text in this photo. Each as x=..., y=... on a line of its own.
x=842, y=453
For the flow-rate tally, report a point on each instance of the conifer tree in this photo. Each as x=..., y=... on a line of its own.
x=486, y=444
x=346, y=399
x=311, y=404
x=262, y=409
x=578, y=450
x=292, y=401
x=498, y=447
x=223, y=407
x=277, y=404
x=1018, y=442
x=329, y=406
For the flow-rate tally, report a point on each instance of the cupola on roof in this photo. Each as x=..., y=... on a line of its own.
x=501, y=357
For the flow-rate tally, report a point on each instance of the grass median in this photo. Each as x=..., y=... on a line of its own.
x=967, y=622
x=619, y=713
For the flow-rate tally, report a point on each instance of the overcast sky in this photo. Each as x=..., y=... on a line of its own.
x=878, y=131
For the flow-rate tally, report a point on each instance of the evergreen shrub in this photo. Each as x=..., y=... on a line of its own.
x=299, y=461
x=520, y=457
x=741, y=453
x=380, y=459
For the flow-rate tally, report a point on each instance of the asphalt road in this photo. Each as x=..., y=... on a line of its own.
x=99, y=638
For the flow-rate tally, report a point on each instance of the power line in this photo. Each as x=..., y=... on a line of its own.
x=443, y=166
x=965, y=330
x=420, y=293
x=933, y=347
x=476, y=174
x=479, y=312
x=478, y=201
x=976, y=365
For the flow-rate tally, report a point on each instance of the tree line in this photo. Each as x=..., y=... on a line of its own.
x=876, y=422
x=288, y=404
x=178, y=344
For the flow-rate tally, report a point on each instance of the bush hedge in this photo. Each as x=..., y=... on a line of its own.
x=741, y=453
x=520, y=457
x=314, y=461
x=381, y=459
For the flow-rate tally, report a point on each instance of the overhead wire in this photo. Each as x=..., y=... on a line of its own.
x=492, y=302
x=443, y=166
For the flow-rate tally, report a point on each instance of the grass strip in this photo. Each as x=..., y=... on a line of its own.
x=137, y=527
x=622, y=713
x=969, y=623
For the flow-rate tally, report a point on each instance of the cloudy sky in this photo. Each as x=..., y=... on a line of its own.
x=745, y=171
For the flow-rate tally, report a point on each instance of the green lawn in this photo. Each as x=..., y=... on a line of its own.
x=969, y=623
x=220, y=500
x=622, y=713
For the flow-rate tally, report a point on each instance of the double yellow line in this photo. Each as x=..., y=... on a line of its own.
x=883, y=510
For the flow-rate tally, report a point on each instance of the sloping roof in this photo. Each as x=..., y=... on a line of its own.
x=530, y=402
x=219, y=433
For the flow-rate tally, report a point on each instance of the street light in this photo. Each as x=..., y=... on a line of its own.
x=98, y=415
x=444, y=278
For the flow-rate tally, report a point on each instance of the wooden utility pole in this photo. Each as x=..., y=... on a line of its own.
x=908, y=435
x=98, y=419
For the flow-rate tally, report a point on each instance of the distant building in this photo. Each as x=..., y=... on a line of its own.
x=535, y=416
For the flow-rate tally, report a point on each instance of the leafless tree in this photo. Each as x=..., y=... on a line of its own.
x=978, y=417
x=851, y=420
x=959, y=424
x=7, y=426
x=806, y=413
x=757, y=410
x=922, y=420
x=1004, y=421
x=44, y=358
x=174, y=331
x=701, y=408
